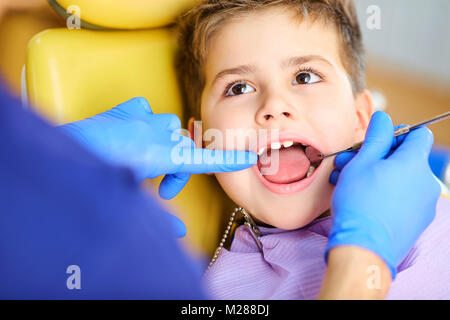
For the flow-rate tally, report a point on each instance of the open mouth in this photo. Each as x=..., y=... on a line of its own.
x=287, y=166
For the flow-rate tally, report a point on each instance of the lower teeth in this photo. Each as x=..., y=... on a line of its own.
x=310, y=171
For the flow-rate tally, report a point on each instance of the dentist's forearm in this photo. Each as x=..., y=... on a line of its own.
x=355, y=273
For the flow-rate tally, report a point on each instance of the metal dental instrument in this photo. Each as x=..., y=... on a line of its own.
x=398, y=132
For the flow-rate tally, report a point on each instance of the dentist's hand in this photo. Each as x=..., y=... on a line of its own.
x=151, y=145
x=384, y=199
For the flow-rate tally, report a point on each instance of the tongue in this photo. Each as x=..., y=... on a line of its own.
x=293, y=165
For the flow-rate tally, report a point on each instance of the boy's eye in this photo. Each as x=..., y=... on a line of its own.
x=306, y=78
x=239, y=88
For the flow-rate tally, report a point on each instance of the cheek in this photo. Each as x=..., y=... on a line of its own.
x=229, y=113
x=237, y=185
x=232, y=126
x=335, y=122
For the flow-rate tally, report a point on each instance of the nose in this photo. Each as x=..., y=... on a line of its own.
x=274, y=110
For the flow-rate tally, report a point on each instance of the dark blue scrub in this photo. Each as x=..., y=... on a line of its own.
x=62, y=206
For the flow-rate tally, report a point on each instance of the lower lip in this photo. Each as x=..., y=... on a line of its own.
x=287, y=188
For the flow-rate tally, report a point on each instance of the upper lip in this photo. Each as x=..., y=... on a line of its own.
x=286, y=138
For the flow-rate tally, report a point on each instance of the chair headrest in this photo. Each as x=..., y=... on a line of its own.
x=129, y=14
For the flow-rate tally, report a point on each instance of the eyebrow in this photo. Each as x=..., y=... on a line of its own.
x=294, y=61
x=244, y=69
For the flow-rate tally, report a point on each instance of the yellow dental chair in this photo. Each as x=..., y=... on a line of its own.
x=72, y=74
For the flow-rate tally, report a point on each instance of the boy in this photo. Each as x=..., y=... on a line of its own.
x=294, y=67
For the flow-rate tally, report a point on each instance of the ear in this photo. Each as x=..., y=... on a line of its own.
x=364, y=111
x=191, y=128
x=199, y=143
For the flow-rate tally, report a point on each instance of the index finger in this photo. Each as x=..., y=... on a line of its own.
x=196, y=160
x=417, y=143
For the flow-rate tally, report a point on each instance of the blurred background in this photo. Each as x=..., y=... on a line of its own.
x=408, y=59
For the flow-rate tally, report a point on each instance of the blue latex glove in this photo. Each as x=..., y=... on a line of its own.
x=131, y=135
x=151, y=145
x=384, y=199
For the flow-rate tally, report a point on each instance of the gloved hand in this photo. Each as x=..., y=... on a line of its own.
x=151, y=145
x=384, y=199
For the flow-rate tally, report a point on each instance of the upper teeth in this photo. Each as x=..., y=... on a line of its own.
x=275, y=145
x=261, y=151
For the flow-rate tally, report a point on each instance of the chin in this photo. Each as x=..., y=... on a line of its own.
x=290, y=212
x=290, y=219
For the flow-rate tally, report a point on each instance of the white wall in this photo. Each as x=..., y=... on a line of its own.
x=414, y=35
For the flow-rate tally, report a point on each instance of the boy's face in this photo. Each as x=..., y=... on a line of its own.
x=294, y=82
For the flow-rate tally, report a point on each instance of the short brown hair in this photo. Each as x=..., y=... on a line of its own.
x=196, y=26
